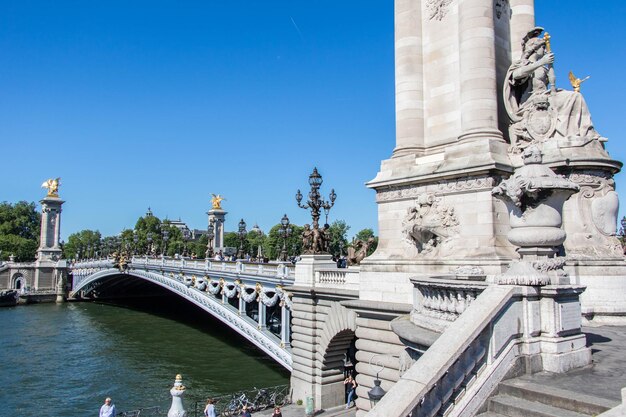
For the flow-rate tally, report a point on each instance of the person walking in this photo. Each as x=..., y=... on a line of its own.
x=107, y=409
x=350, y=384
x=245, y=412
x=277, y=412
x=209, y=410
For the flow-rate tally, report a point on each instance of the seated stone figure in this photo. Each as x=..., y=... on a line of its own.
x=537, y=109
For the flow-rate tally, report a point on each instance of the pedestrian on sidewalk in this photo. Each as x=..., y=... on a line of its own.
x=209, y=410
x=107, y=409
x=245, y=412
x=277, y=412
x=350, y=384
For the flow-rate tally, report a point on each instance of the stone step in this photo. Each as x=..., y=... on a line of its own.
x=490, y=414
x=555, y=397
x=519, y=407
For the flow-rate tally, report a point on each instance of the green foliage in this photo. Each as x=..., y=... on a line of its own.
x=19, y=230
x=231, y=239
x=23, y=249
x=364, y=235
x=274, y=242
x=86, y=243
x=338, y=234
x=253, y=241
x=198, y=247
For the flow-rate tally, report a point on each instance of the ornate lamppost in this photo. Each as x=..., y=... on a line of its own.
x=315, y=240
x=149, y=243
x=242, y=235
x=186, y=237
x=135, y=242
x=166, y=236
x=284, y=232
x=210, y=234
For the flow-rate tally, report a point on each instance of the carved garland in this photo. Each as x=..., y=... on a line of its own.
x=406, y=192
x=274, y=350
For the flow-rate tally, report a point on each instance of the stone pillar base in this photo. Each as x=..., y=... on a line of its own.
x=309, y=264
x=560, y=355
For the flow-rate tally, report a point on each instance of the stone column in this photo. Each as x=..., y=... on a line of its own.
x=522, y=20
x=409, y=78
x=218, y=216
x=262, y=315
x=285, y=326
x=479, y=101
x=49, y=248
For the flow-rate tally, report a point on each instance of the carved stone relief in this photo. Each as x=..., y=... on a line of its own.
x=429, y=224
x=591, y=227
x=437, y=9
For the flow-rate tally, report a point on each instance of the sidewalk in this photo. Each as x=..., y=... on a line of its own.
x=298, y=411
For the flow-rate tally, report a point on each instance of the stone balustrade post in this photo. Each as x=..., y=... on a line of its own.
x=262, y=314
x=285, y=327
x=242, y=306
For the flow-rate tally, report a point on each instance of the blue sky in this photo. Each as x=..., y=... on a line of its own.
x=161, y=103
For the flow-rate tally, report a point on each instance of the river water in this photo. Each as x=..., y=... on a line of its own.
x=63, y=360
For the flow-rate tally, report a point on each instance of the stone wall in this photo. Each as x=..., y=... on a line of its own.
x=322, y=331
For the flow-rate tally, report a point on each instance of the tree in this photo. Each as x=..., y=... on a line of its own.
x=364, y=235
x=19, y=230
x=231, y=239
x=255, y=239
x=198, y=247
x=83, y=244
x=274, y=242
x=338, y=235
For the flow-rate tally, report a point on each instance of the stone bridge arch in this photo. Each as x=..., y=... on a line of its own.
x=93, y=278
x=323, y=330
x=21, y=280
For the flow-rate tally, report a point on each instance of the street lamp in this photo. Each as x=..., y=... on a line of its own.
x=242, y=235
x=166, y=236
x=284, y=232
x=186, y=236
x=136, y=241
x=315, y=201
x=316, y=240
x=377, y=392
x=210, y=234
x=149, y=244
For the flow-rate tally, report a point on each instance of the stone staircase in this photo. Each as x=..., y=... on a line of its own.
x=523, y=397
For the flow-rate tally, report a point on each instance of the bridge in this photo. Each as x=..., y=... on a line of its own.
x=247, y=297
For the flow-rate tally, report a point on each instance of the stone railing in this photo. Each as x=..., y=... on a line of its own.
x=346, y=278
x=441, y=300
x=435, y=384
x=280, y=270
x=459, y=371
